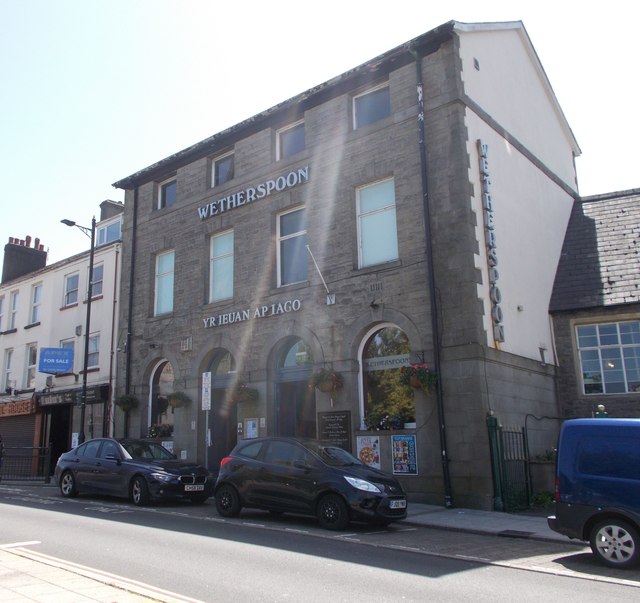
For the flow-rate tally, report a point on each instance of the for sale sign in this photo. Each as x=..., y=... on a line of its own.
x=56, y=360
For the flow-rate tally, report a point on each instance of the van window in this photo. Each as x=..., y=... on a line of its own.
x=607, y=457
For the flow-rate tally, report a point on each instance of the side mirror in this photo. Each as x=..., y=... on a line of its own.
x=113, y=457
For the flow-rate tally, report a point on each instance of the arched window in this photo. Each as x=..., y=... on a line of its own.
x=297, y=355
x=160, y=417
x=223, y=364
x=387, y=403
x=295, y=405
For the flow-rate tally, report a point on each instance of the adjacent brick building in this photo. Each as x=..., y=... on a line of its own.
x=409, y=211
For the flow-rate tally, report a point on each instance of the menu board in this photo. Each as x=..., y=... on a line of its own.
x=335, y=428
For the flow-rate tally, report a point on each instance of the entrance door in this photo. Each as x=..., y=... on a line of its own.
x=223, y=426
x=57, y=431
x=296, y=410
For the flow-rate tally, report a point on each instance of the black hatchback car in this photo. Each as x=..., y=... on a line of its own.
x=135, y=469
x=306, y=477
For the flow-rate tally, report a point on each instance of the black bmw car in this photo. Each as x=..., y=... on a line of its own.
x=135, y=469
x=306, y=477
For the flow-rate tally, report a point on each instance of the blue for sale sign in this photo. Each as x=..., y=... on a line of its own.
x=56, y=360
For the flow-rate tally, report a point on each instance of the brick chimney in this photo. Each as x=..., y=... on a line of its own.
x=20, y=258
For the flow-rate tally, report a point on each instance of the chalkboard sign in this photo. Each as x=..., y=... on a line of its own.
x=335, y=428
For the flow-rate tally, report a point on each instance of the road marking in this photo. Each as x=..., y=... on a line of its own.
x=20, y=544
x=472, y=558
x=107, y=510
x=147, y=591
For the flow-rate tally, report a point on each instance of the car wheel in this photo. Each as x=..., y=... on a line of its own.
x=332, y=512
x=139, y=491
x=615, y=543
x=228, y=501
x=68, y=485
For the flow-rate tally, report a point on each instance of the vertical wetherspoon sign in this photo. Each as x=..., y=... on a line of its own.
x=490, y=237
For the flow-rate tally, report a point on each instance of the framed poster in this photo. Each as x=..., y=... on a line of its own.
x=250, y=429
x=404, y=459
x=335, y=428
x=369, y=450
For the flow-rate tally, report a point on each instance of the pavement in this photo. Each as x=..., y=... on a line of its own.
x=28, y=576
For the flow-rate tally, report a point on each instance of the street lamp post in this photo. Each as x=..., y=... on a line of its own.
x=91, y=233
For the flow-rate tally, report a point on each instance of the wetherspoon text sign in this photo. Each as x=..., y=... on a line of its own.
x=254, y=193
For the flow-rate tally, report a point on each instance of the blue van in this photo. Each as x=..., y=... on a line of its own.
x=598, y=487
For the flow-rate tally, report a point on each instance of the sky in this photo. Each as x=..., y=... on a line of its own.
x=92, y=91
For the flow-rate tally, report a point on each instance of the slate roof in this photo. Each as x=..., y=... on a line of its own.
x=600, y=261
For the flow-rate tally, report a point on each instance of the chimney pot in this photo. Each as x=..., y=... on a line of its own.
x=28, y=240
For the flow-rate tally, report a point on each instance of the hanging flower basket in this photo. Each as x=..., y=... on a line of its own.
x=244, y=393
x=418, y=376
x=160, y=430
x=178, y=399
x=126, y=402
x=326, y=380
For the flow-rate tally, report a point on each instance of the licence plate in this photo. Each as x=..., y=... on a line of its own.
x=397, y=504
x=194, y=488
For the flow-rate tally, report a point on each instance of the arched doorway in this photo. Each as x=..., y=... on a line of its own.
x=385, y=402
x=160, y=417
x=295, y=402
x=223, y=416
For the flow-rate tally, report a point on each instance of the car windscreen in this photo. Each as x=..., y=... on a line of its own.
x=147, y=450
x=332, y=455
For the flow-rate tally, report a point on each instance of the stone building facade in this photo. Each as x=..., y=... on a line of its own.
x=408, y=212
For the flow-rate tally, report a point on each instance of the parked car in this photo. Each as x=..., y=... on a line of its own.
x=135, y=469
x=598, y=487
x=306, y=477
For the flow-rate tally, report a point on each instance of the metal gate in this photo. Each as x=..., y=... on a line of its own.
x=510, y=466
x=22, y=463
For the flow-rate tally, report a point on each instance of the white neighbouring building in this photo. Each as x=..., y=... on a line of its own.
x=44, y=307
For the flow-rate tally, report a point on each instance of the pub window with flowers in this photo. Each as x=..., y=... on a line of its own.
x=389, y=401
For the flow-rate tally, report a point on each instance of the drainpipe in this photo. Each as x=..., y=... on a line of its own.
x=132, y=280
x=448, y=498
x=108, y=405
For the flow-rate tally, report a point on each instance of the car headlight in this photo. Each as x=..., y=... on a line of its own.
x=163, y=477
x=362, y=484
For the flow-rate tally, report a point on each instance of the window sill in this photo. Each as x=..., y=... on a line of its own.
x=8, y=332
x=94, y=298
x=33, y=324
x=292, y=286
x=379, y=267
x=69, y=306
x=91, y=369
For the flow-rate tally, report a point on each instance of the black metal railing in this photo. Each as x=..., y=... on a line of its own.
x=26, y=464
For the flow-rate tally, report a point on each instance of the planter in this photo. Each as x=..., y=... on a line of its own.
x=127, y=403
x=243, y=393
x=415, y=382
x=178, y=399
x=325, y=386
